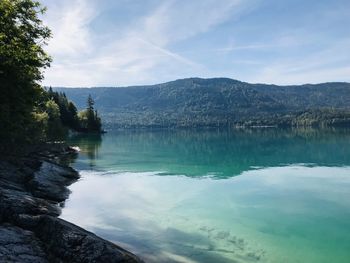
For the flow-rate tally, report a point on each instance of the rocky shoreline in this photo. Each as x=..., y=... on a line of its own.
x=33, y=188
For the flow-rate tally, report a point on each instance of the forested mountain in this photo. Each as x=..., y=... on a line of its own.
x=219, y=102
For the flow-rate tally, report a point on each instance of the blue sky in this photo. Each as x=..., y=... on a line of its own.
x=131, y=42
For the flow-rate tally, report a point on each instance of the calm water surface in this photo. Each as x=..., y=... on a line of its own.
x=217, y=196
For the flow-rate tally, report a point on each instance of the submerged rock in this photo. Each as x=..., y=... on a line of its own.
x=32, y=187
x=74, y=244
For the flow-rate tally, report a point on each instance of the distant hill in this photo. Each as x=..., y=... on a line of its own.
x=218, y=102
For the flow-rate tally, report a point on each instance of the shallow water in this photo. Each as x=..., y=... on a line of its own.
x=217, y=196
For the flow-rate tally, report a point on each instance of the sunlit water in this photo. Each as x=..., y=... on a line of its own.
x=217, y=196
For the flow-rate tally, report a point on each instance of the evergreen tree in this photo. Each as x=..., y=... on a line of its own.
x=90, y=114
x=90, y=103
x=89, y=118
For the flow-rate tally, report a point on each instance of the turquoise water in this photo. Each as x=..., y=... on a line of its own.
x=217, y=196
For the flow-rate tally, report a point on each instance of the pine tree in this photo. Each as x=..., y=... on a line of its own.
x=89, y=118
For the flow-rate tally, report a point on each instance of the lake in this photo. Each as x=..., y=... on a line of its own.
x=263, y=195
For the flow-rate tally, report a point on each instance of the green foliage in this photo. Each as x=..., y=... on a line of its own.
x=22, y=59
x=28, y=113
x=53, y=110
x=89, y=119
x=63, y=115
x=55, y=128
x=67, y=109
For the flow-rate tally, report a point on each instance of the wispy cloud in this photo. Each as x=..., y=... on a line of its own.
x=178, y=20
x=155, y=41
x=69, y=21
x=328, y=64
x=170, y=54
x=138, y=53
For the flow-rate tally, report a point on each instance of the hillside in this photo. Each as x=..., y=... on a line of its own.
x=218, y=102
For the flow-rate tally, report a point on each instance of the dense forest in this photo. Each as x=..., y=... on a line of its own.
x=219, y=102
x=28, y=112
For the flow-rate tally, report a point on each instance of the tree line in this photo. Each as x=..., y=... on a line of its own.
x=61, y=115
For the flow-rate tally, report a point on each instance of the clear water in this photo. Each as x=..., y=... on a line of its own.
x=217, y=196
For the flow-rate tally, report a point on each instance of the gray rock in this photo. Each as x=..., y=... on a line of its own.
x=32, y=189
x=54, y=177
x=71, y=243
x=18, y=245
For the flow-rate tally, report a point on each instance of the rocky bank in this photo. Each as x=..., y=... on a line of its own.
x=33, y=188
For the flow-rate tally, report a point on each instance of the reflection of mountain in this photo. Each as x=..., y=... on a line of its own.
x=218, y=153
x=89, y=145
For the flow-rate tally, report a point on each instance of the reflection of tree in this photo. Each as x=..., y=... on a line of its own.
x=68, y=159
x=89, y=145
x=227, y=153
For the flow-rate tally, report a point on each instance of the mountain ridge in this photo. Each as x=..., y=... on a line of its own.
x=200, y=78
x=187, y=101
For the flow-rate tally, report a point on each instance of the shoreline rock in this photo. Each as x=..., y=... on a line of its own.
x=33, y=188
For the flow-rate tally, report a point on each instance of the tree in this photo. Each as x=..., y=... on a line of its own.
x=90, y=114
x=89, y=118
x=54, y=129
x=53, y=110
x=22, y=60
x=90, y=103
x=73, y=121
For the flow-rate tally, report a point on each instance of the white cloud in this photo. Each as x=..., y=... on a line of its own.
x=137, y=56
x=69, y=22
x=329, y=64
x=177, y=20
x=142, y=50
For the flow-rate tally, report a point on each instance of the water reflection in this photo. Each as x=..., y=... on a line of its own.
x=220, y=154
x=89, y=145
x=150, y=192
x=284, y=214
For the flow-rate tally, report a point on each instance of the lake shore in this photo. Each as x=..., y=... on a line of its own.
x=33, y=188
